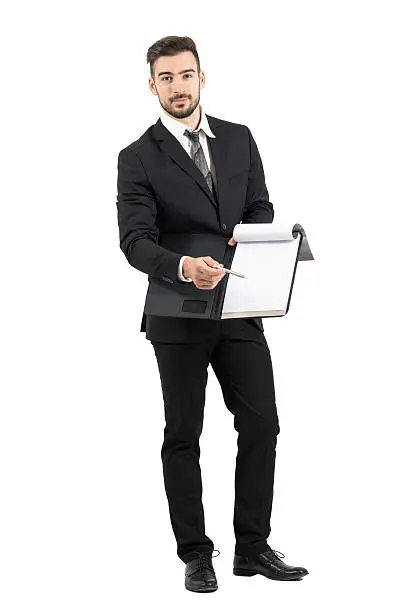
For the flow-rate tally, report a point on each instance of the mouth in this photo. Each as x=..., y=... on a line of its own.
x=180, y=100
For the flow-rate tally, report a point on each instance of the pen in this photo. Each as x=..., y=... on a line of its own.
x=229, y=271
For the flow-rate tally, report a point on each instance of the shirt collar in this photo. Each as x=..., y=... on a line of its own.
x=177, y=128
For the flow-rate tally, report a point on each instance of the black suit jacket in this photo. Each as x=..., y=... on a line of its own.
x=161, y=192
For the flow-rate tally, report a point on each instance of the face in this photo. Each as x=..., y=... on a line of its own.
x=175, y=78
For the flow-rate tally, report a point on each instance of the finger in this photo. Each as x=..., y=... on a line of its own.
x=209, y=260
x=210, y=271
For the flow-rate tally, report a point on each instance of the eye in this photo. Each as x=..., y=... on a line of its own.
x=188, y=74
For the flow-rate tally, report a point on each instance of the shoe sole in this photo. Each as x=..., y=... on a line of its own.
x=246, y=572
x=202, y=590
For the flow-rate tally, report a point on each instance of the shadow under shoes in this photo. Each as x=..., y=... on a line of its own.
x=200, y=575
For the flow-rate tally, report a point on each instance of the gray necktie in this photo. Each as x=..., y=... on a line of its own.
x=198, y=157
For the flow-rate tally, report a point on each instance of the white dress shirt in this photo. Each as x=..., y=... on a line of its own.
x=177, y=128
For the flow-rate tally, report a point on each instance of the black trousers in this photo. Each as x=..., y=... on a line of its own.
x=239, y=355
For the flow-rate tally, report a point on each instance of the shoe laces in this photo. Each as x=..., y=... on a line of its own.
x=204, y=559
x=270, y=552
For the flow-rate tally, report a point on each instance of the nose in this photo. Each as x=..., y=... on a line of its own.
x=178, y=83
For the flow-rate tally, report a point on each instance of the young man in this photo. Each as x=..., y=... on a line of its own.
x=188, y=174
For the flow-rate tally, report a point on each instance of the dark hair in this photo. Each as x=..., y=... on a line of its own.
x=171, y=45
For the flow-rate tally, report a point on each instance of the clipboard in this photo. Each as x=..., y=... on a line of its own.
x=281, y=244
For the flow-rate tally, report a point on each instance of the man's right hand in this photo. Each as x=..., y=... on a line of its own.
x=200, y=270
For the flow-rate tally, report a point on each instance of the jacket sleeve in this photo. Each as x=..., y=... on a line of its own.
x=257, y=207
x=137, y=210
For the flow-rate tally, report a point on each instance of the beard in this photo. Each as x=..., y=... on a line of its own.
x=183, y=111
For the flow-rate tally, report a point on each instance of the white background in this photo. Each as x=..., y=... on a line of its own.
x=84, y=516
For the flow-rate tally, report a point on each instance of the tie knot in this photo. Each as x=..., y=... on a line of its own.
x=194, y=136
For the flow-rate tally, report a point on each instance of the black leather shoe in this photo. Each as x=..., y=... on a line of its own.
x=269, y=564
x=200, y=575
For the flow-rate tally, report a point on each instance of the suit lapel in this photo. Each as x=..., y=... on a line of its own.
x=173, y=148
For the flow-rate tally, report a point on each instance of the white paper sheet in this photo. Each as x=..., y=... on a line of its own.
x=266, y=254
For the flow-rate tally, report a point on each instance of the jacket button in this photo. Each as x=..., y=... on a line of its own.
x=224, y=227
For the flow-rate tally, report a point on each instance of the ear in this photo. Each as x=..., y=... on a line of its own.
x=152, y=86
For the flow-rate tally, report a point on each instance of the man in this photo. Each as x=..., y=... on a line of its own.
x=191, y=173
